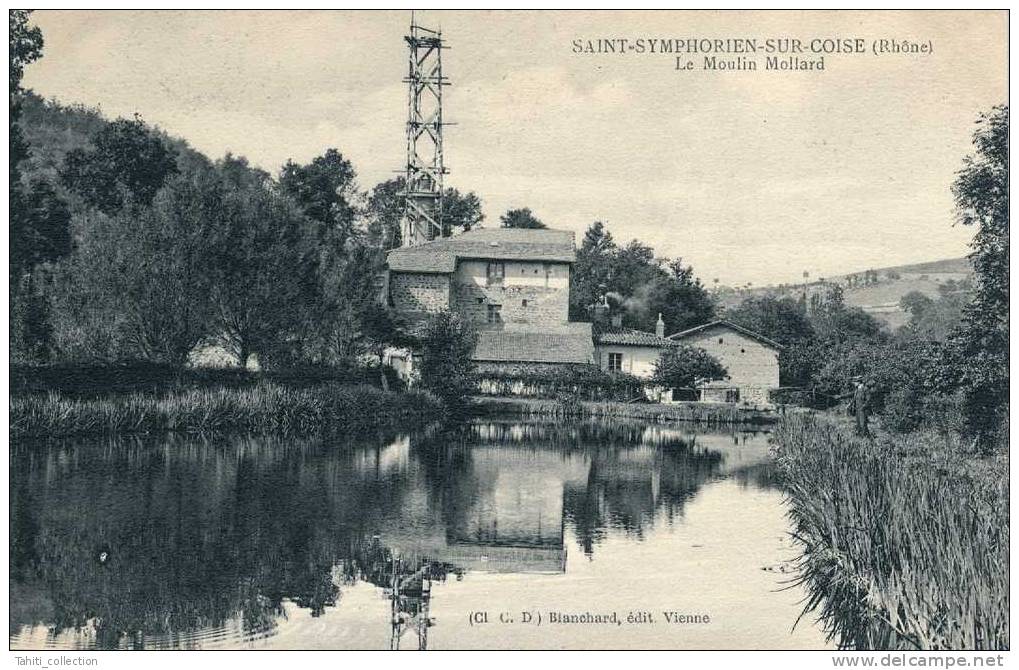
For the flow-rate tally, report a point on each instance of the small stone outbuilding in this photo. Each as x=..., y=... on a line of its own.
x=750, y=358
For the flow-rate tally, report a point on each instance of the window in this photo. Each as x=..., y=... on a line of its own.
x=496, y=271
x=481, y=301
x=495, y=313
x=523, y=303
x=615, y=362
x=719, y=340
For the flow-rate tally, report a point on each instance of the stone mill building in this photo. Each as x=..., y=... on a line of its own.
x=512, y=284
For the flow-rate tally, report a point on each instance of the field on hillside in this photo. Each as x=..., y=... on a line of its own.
x=880, y=299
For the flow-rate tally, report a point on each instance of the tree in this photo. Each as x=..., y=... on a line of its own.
x=520, y=218
x=40, y=229
x=682, y=366
x=834, y=321
x=678, y=296
x=138, y=282
x=346, y=290
x=981, y=197
x=39, y=219
x=634, y=281
x=447, y=369
x=780, y=319
x=915, y=304
x=26, y=44
x=326, y=190
x=385, y=209
x=785, y=321
x=258, y=248
x=127, y=165
x=590, y=275
x=461, y=211
x=934, y=320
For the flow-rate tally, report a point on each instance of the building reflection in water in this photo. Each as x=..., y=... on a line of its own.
x=209, y=540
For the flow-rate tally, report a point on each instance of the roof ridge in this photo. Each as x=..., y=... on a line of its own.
x=726, y=322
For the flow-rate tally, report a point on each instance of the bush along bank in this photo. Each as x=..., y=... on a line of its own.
x=264, y=408
x=904, y=538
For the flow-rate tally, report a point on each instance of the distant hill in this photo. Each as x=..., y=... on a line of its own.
x=881, y=299
x=947, y=266
x=876, y=291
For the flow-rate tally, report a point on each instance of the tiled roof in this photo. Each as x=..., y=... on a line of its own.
x=722, y=323
x=485, y=243
x=421, y=258
x=562, y=347
x=634, y=338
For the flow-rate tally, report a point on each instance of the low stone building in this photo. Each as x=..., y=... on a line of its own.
x=512, y=284
x=631, y=351
x=750, y=358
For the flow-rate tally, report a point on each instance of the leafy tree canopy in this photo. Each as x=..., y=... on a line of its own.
x=520, y=218
x=385, y=209
x=447, y=369
x=636, y=283
x=128, y=163
x=683, y=365
x=326, y=190
x=781, y=319
x=981, y=197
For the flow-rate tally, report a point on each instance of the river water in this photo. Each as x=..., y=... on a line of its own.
x=499, y=534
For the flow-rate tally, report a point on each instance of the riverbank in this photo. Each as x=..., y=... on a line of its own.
x=264, y=408
x=904, y=537
x=706, y=413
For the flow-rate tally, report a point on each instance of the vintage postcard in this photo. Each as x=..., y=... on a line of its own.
x=508, y=330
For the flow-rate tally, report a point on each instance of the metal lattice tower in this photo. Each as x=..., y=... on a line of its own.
x=422, y=219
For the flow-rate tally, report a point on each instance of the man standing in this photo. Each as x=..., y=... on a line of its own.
x=861, y=407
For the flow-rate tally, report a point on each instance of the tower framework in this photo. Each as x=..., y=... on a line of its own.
x=422, y=220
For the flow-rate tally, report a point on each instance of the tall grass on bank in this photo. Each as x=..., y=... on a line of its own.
x=260, y=409
x=905, y=540
x=569, y=406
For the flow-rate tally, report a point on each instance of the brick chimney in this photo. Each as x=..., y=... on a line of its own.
x=660, y=326
x=617, y=320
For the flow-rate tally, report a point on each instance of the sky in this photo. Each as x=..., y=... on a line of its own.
x=749, y=176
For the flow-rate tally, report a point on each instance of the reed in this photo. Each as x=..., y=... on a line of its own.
x=263, y=408
x=905, y=539
x=720, y=414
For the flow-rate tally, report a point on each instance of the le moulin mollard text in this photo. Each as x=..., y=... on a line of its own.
x=750, y=53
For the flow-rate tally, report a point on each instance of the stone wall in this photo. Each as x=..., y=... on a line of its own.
x=637, y=361
x=419, y=292
x=751, y=365
x=531, y=295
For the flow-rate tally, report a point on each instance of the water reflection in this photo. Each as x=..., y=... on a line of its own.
x=190, y=543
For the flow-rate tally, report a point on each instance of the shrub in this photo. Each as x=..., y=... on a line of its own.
x=586, y=382
x=263, y=408
x=447, y=367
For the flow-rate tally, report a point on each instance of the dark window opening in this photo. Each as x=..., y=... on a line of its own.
x=496, y=272
x=495, y=313
x=719, y=340
x=523, y=303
